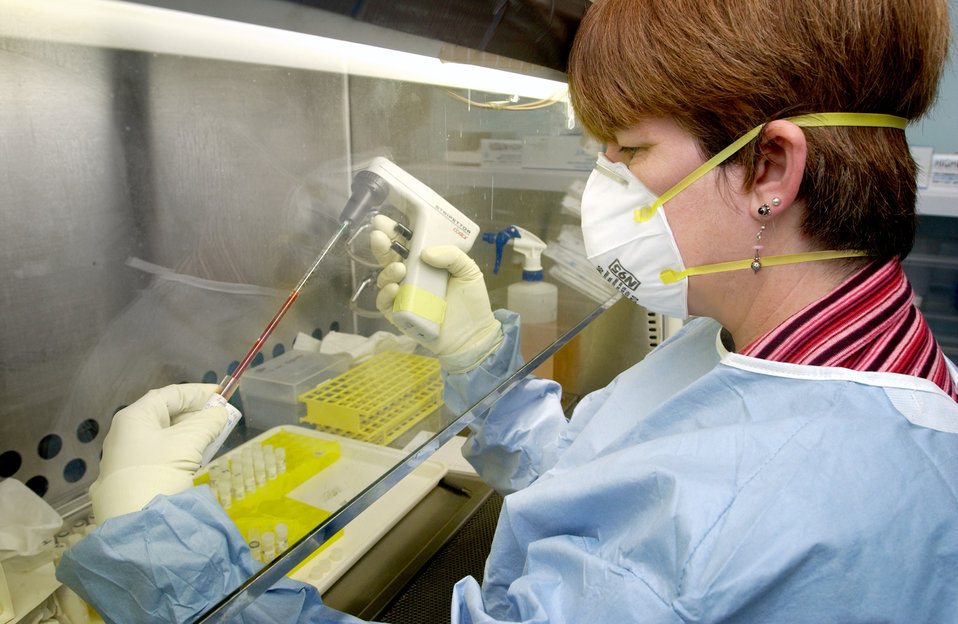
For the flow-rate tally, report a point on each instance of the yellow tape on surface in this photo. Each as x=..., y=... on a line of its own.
x=420, y=302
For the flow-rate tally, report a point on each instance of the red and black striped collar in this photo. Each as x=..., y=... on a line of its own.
x=869, y=323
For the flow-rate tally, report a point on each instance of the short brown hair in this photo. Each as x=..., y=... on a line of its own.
x=720, y=68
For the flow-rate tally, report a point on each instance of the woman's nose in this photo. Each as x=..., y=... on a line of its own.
x=613, y=153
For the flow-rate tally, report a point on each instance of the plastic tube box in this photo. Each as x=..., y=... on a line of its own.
x=271, y=390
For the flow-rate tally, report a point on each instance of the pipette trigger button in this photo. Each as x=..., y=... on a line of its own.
x=400, y=249
x=403, y=231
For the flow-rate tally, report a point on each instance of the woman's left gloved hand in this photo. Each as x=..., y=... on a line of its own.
x=469, y=332
x=154, y=446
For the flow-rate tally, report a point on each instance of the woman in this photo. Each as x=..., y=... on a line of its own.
x=792, y=454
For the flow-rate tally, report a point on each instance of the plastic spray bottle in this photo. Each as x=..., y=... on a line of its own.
x=534, y=300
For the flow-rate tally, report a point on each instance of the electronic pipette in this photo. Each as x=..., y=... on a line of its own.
x=368, y=190
x=420, y=302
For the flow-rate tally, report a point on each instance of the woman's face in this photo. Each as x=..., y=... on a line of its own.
x=706, y=227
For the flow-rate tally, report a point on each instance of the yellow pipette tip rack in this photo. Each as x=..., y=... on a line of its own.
x=378, y=400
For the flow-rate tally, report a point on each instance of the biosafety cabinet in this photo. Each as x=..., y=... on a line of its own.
x=169, y=172
x=168, y=176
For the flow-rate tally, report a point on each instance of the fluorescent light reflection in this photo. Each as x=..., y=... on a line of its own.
x=129, y=26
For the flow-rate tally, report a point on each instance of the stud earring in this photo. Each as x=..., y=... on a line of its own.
x=776, y=201
x=764, y=210
x=756, y=260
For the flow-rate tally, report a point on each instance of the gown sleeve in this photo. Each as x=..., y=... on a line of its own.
x=174, y=560
x=518, y=439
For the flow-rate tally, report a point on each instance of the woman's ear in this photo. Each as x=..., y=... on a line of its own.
x=778, y=174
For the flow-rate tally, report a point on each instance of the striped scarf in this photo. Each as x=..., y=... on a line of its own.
x=866, y=324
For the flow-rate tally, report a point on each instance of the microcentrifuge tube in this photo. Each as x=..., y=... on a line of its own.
x=58, y=549
x=282, y=537
x=259, y=472
x=254, y=550
x=270, y=466
x=269, y=546
x=223, y=492
x=280, y=460
x=248, y=477
x=239, y=486
x=60, y=545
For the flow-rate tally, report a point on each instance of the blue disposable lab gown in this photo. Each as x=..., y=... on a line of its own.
x=698, y=486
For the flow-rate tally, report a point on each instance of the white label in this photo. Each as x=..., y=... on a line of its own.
x=233, y=417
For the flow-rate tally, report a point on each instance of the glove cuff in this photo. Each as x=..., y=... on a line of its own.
x=472, y=355
x=130, y=489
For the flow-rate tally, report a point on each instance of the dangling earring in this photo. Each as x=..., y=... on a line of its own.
x=757, y=261
x=763, y=210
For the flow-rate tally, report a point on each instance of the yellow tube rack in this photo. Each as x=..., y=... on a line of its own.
x=378, y=400
x=269, y=504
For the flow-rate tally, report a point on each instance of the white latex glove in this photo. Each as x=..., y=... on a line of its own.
x=154, y=447
x=469, y=332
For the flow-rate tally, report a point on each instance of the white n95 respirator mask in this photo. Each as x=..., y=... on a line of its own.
x=629, y=254
x=628, y=238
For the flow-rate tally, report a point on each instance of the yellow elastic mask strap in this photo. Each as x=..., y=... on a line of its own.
x=421, y=302
x=669, y=276
x=870, y=120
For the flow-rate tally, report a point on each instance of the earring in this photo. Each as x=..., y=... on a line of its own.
x=757, y=261
x=764, y=210
x=776, y=201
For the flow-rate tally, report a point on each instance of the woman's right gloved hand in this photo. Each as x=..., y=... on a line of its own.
x=469, y=332
x=154, y=446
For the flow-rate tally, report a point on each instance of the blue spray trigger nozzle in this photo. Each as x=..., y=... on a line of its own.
x=500, y=239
